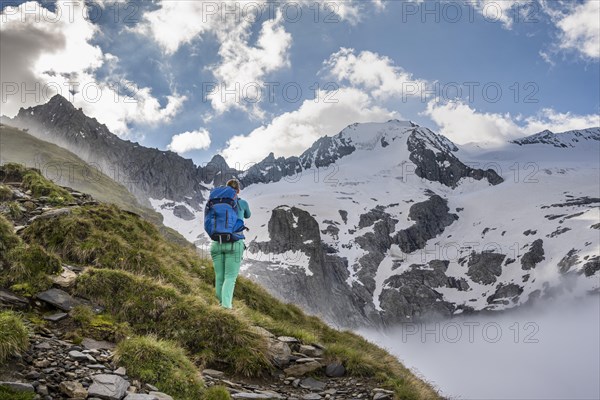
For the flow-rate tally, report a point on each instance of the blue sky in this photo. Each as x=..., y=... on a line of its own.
x=371, y=61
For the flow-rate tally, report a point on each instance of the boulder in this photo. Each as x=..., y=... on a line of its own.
x=56, y=317
x=9, y=299
x=73, y=390
x=59, y=299
x=279, y=353
x=66, y=278
x=108, y=387
x=335, y=370
x=310, y=351
x=302, y=369
x=312, y=384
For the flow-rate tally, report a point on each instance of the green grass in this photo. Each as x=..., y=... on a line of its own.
x=216, y=393
x=24, y=268
x=8, y=394
x=33, y=180
x=208, y=332
x=29, y=269
x=161, y=363
x=13, y=210
x=5, y=193
x=14, y=336
x=8, y=241
x=99, y=326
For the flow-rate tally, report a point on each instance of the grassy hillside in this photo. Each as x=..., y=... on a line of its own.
x=160, y=295
x=67, y=169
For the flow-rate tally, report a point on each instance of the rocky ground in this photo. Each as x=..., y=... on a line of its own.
x=54, y=368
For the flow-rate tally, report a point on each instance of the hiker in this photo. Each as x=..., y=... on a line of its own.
x=226, y=230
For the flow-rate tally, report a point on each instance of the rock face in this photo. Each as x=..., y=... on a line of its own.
x=295, y=236
x=431, y=218
x=504, y=293
x=296, y=233
x=534, y=255
x=442, y=166
x=485, y=267
x=412, y=295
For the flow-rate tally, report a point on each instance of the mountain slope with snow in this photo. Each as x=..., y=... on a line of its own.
x=404, y=224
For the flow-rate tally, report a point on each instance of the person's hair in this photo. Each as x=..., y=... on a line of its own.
x=234, y=183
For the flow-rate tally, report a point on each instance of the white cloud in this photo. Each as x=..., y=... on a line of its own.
x=462, y=124
x=187, y=141
x=293, y=132
x=375, y=73
x=580, y=29
x=53, y=51
x=243, y=67
x=555, y=121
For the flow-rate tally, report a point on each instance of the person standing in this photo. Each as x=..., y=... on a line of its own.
x=227, y=255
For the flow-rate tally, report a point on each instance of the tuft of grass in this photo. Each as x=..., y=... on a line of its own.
x=216, y=393
x=13, y=210
x=29, y=267
x=5, y=193
x=99, y=327
x=8, y=240
x=208, y=332
x=161, y=363
x=14, y=335
x=9, y=394
x=32, y=179
x=40, y=186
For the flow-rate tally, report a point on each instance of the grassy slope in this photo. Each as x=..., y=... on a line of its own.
x=67, y=169
x=157, y=288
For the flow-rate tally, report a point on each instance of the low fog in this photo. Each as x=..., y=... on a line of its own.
x=551, y=351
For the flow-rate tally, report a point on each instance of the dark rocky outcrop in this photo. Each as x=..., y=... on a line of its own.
x=570, y=259
x=442, y=166
x=592, y=266
x=504, y=293
x=295, y=233
x=534, y=255
x=183, y=212
x=431, y=218
x=412, y=295
x=485, y=267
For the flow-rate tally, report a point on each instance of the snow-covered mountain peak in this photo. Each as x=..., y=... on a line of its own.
x=564, y=139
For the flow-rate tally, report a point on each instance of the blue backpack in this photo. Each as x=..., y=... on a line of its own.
x=221, y=220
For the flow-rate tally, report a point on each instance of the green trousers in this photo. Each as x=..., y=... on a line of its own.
x=227, y=258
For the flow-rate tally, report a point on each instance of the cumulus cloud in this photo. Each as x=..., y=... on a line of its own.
x=462, y=124
x=188, y=141
x=293, y=132
x=50, y=52
x=244, y=66
x=580, y=29
x=373, y=72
